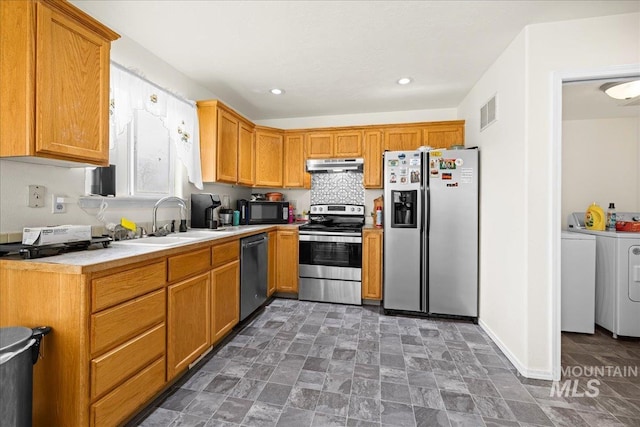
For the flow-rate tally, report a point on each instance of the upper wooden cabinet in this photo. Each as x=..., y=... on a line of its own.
x=269, y=151
x=54, y=80
x=227, y=147
x=403, y=139
x=294, y=161
x=444, y=135
x=246, y=155
x=233, y=150
x=224, y=137
x=373, y=149
x=347, y=144
x=319, y=145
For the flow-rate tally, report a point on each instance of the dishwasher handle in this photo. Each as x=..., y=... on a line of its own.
x=255, y=242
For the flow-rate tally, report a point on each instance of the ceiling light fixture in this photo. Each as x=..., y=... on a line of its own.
x=405, y=81
x=276, y=91
x=622, y=90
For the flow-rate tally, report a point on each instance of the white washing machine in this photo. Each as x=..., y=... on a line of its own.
x=578, y=282
x=617, y=281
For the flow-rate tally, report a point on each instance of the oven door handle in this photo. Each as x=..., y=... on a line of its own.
x=329, y=239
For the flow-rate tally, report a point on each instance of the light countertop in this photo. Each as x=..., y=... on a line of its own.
x=126, y=252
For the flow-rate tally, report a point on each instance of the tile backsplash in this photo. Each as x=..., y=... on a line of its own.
x=343, y=187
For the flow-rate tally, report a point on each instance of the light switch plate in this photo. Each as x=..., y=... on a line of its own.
x=36, y=196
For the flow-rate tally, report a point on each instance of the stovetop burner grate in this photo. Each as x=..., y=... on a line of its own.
x=31, y=252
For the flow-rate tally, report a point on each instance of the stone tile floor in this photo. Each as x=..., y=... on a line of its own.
x=316, y=364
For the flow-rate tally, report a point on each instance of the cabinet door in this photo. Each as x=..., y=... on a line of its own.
x=287, y=261
x=246, y=151
x=402, y=139
x=271, y=278
x=444, y=136
x=347, y=144
x=372, y=264
x=319, y=145
x=72, y=89
x=294, y=167
x=208, y=124
x=227, y=148
x=268, y=159
x=188, y=322
x=373, y=159
x=225, y=299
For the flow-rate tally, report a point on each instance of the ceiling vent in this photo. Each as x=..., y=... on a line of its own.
x=488, y=113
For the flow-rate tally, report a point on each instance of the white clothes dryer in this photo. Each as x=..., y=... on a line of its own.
x=617, y=281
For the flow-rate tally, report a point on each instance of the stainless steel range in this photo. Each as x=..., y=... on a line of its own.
x=330, y=260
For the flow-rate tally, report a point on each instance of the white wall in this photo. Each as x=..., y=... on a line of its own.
x=503, y=209
x=600, y=163
x=517, y=308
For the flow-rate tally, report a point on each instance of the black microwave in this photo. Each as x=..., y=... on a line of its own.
x=263, y=212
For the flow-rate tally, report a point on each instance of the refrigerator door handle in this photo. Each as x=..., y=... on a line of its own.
x=428, y=209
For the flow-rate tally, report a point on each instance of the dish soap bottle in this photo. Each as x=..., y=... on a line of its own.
x=611, y=217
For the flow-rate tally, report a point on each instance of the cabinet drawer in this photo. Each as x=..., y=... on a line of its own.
x=120, y=363
x=116, y=288
x=122, y=322
x=225, y=253
x=181, y=266
x=116, y=406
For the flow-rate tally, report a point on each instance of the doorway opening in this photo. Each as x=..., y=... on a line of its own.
x=588, y=128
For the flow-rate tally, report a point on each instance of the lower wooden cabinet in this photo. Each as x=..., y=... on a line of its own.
x=272, y=258
x=287, y=261
x=114, y=367
x=121, y=403
x=372, y=264
x=120, y=333
x=188, y=320
x=225, y=299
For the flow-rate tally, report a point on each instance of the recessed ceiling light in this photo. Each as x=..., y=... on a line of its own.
x=405, y=81
x=276, y=91
x=622, y=90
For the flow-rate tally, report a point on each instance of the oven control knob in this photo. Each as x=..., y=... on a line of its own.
x=353, y=209
x=313, y=209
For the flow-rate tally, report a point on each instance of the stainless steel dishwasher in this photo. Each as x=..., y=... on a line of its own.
x=253, y=273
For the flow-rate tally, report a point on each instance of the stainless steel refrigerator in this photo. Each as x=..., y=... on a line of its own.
x=431, y=232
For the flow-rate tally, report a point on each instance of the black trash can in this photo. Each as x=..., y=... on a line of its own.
x=19, y=348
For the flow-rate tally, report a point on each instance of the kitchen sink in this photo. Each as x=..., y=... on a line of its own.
x=160, y=241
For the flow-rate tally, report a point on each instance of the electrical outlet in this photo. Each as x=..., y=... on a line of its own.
x=36, y=196
x=57, y=204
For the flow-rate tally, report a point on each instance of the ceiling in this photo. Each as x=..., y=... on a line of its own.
x=583, y=100
x=334, y=57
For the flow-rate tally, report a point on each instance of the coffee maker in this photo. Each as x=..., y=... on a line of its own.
x=202, y=206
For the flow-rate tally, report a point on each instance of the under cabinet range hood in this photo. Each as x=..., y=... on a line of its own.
x=335, y=165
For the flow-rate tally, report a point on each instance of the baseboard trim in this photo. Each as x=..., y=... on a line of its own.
x=524, y=371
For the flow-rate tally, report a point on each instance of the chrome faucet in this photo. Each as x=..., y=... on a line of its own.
x=178, y=200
